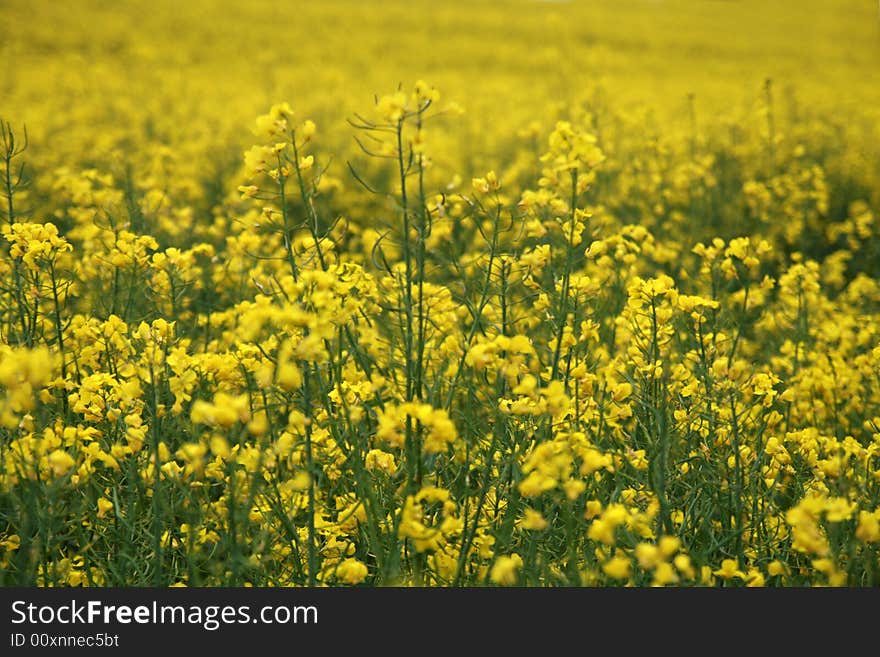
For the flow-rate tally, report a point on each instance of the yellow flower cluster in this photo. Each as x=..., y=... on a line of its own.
x=561, y=339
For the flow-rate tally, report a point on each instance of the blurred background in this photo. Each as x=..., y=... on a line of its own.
x=512, y=51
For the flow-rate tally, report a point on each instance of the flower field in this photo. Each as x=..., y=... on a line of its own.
x=440, y=294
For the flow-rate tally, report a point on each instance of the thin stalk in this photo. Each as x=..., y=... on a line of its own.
x=566, y=278
x=310, y=467
x=288, y=229
x=307, y=201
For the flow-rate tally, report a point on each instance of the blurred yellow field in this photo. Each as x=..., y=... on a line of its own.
x=439, y=294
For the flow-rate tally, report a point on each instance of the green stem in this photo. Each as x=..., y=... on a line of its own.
x=566, y=278
x=310, y=467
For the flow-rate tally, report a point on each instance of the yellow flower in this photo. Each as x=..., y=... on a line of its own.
x=602, y=531
x=392, y=107
x=683, y=565
x=11, y=542
x=729, y=570
x=648, y=555
x=618, y=567
x=504, y=570
x=104, y=506
x=351, y=571
x=755, y=579
x=776, y=567
x=573, y=488
x=621, y=391
x=300, y=481
x=664, y=575
x=248, y=191
x=258, y=160
x=380, y=460
x=593, y=509
x=61, y=462
x=868, y=529
x=480, y=185
x=536, y=483
x=307, y=129
x=838, y=509
x=533, y=520
x=668, y=546
x=485, y=185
